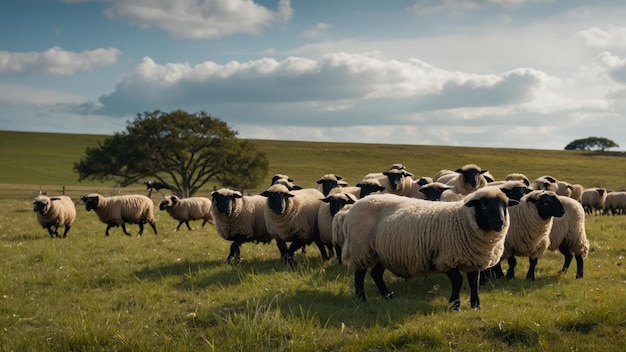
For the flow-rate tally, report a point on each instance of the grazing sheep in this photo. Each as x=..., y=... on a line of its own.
x=292, y=216
x=593, y=200
x=239, y=219
x=568, y=235
x=54, y=212
x=529, y=232
x=577, y=192
x=615, y=203
x=413, y=238
x=564, y=188
x=187, y=209
x=331, y=204
x=328, y=182
x=119, y=210
x=517, y=177
x=547, y=183
x=464, y=180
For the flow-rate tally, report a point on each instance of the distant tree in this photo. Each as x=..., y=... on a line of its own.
x=591, y=143
x=179, y=151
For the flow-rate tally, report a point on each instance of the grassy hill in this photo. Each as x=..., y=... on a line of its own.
x=47, y=159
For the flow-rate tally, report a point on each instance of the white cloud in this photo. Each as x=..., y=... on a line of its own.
x=319, y=30
x=56, y=61
x=613, y=37
x=201, y=18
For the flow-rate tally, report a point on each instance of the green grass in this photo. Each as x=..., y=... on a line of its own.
x=173, y=291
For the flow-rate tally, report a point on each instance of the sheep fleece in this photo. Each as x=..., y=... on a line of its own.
x=61, y=212
x=247, y=219
x=131, y=208
x=570, y=228
x=299, y=219
x=529, y=234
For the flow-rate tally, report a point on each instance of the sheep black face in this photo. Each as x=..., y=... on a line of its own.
x=337, y=202
x=167, y=203
x=369, y=188
x=490, y=212
x=396, y=177
x=432, y=193
x=328, y=182
x=516, y=192
x=470, y=176
x=40, y=207
x=91, y=203
x=422, y=181
x=548, y=205
x=225, y=203
x=277, y=201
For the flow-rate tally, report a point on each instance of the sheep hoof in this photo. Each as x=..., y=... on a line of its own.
x=454, y=305
x=388, y=295
x=288, y=259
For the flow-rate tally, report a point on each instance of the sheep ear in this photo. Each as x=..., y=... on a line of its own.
x=266, y=193
x=55, y=198
x=513, y=202
x=406, y=173
x=325, y=200
x=174, y=199
x=295, y=187
x=351, y=198
x=319, y=182
x=483, y=171
x=238, y=194
x=458, y=170
x=472, y=203
x=338, y=177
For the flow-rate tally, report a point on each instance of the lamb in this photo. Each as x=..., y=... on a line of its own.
x=239, y=219
x=577, y=192
x=187, y=209
x=54, y=212
x=331, y=204
x=414, y=237
x=529, y=232
x=593, y=199
x=119, y=210
x=615, y=203
x=465, y=180
x=292, y=216
x=568, y=235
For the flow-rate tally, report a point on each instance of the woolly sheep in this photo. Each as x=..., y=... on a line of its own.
x=432, y=191
x=577, y=192
x=529, y=232
x=331, y=204
x=517, y=177
x=615, y=203
x=328, y=182
x=284, y=180
x=119, y=210
x=547, y=183
x=593, y=199
x=414, y=237
x=395, y=181
x=292, y=216
x=568, y=235
x=564, y=188
x=465, y=180
x=54, y=212
x=187, y=209
x=239, y=219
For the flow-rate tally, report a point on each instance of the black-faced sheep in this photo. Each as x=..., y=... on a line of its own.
x=529, y=232
x=568, y=235
x=413, y=238
x=564, y=188
x=331, y=204
x=593, y=200
x=291, y=216
x=328, y=182
x=577, y=192
x=239, y=219
x=517, y=177
x=187, y=209
x=463, y=181
x=615, y=203
x=54, y=212
x=396, y=181
x=547, y=183
x=119, y=210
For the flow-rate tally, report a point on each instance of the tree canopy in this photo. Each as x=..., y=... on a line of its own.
x=182, y=151
x=591, y=143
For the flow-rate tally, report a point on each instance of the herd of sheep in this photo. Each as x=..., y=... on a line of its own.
x=462, y=221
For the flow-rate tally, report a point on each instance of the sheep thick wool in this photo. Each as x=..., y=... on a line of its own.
x=54, y=212
x=615, y=203
x=131, y=208
x=413, y=237
x=457, y=181
x=246, y=219
x=529, y=234
x=188, y=209
x=570, y=229
x=324, y=217
x=299, y=218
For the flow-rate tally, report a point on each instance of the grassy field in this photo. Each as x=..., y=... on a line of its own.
x=173, y=292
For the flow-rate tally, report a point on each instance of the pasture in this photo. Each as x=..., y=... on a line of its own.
x=173, y=291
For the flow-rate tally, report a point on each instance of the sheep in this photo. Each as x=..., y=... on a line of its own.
x=54, y=212
x=396, y=181
x=568, y=235
x=331, y=204
x=564, y=188
x=328, y=182
x=529, y=232
x=187, y=209
x=292, y=216
x=593, y=199
x=119, y=210
x=239, y=219
x=577, y=192
x=547, y=183
x=432, y=191
x=465, y=180
x=517, y=177
x=414, y=237
x=615, y=203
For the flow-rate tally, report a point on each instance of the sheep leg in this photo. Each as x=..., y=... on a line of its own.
x=154, y=228
x=579, y=266
x=456, y=280
x=282, y=247
x=321, y=247
x=472, y=279
x=109, y=225
x=179, y=225
x=140, y=229
x=67, y=229
x=377, y=275
x=338, y=251
x=531, y=269
x=359, y=284
x=510, y=274
x=235, y=250
x=568, y=256
x=49, y=228
x=187, y=223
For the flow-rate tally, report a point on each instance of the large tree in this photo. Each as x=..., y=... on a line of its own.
x=182, y=151
x=591, y=143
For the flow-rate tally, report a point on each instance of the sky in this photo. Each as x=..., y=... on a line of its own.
x=486, y=73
